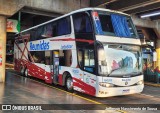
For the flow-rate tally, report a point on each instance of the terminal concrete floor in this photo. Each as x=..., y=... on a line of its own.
x=22, y=90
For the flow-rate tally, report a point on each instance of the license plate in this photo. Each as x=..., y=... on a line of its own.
x=126, y=91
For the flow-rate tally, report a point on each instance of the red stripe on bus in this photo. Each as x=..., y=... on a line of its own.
x=71, y=39
x=60, y=79
x=85, y=87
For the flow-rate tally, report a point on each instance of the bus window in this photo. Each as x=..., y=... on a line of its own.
x=64, y=27
x=38, y=56
x=106, y=24
x=65, y=57
x=39, y=32
x=54, y=29
x=47, y=58
x=32, y=35
x=48, y=32
x=131, y=27
x=113, y=24
x=89, y=62
x=82, y=23
x=80, y=58
x=83, y=27
x=68, y=57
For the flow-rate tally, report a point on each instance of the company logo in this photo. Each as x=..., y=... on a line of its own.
x=66, y=46
x=126, y=83
x=42, y=45
x=87, y=80
x=126, y=80
x=108, y=80
x=23, y=107
x=126, y=90
x=6, y=107
x=75, y=71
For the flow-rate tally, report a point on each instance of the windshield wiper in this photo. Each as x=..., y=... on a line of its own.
x=135, y=73
x=128, y=74
x=120, y=46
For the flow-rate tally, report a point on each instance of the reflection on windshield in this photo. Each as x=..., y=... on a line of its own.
x=123, y=60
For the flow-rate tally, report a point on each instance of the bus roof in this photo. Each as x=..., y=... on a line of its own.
x=76, y=11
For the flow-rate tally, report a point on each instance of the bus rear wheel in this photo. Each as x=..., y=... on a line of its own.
x=22, y=70
x=26, y=72
x=69, y=84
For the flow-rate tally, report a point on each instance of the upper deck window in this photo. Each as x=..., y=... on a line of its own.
x=106, y=24
x=64, y=27
x=82, y=23
x=120, y=25
x=56, y=28
x=113, y=24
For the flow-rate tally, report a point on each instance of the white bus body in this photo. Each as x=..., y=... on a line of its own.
x=102, y=65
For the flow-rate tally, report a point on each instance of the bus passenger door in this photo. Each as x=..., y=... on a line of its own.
x=55, y=69
x=48, y=76
x=89, y=70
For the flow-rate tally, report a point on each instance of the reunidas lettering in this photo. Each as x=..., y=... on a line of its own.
x=39, y=46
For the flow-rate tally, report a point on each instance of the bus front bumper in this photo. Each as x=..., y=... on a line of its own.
x=116, y=91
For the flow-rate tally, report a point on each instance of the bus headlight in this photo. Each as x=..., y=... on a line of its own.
x=140, y=82
x=106, y=84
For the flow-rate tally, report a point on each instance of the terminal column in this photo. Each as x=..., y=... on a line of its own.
x=158, y=53
x=2, y=47
x=158, y=60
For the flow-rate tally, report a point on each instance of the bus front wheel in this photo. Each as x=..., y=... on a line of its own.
x=69, y=84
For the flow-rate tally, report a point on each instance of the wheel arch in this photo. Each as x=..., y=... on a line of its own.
x=65, y=75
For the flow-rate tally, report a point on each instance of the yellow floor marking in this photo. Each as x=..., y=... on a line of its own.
x=71, y=93
x=150, y=84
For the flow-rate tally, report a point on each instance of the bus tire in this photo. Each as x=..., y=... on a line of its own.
x=69, y=84
x=22, y=70
x=26, y=72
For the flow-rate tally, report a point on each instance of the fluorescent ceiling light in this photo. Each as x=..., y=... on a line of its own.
x=150, y=14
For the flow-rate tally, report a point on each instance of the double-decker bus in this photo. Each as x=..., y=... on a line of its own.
x=94, y=51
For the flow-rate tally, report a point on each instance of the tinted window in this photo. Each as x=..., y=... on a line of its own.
x=65, y=58
x=106, y=24
x=39, y=32
x=89, y=62
x=80, y=57
x=89, y=57
x=53, y=29
x=38, y=56
x=82, y=23
x=113, y=24
x=131, y=27
x=32, y=35
x=64, y=27
x=47, y=30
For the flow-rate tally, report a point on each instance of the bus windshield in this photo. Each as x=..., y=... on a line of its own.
x=122, y=60
x=114, y=24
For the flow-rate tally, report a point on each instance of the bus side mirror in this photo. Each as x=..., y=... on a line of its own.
x=154, y=56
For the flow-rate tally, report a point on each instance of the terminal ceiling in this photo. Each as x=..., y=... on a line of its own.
x=137, y=7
